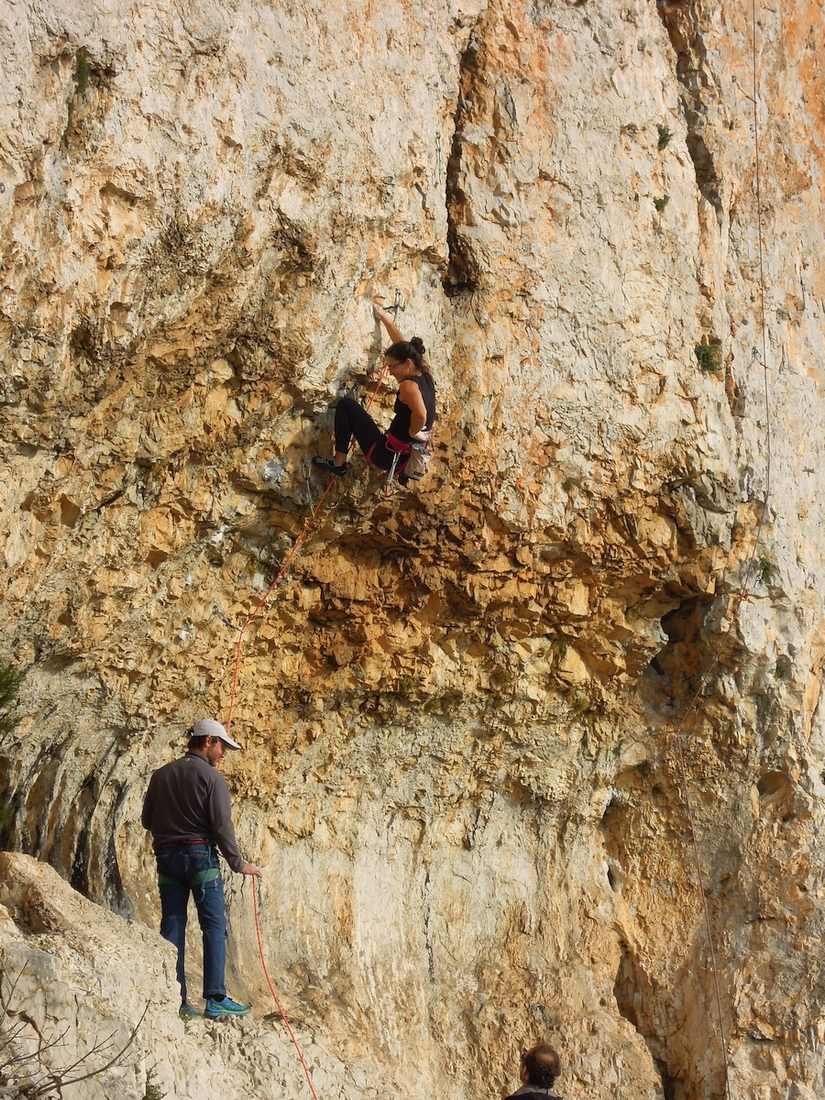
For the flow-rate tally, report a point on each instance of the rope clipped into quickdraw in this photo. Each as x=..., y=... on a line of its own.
x=275, y=995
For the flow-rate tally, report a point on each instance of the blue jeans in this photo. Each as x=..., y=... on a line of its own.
x=188, y=865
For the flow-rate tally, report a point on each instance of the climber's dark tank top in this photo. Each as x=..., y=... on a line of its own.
x=400, y=426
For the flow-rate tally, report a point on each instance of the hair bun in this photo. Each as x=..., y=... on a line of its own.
x=418, y=343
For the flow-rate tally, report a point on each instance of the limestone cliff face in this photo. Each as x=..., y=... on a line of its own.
x=73, y=1010
x=458, y=709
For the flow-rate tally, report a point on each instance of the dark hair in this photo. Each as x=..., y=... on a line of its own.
x=542, y=1065
x=197, y=743
x=410, y=349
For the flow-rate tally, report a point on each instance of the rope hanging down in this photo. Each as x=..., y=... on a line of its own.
x=235, y=675
x=275, y=995
x=279, y=575
x=678, y=732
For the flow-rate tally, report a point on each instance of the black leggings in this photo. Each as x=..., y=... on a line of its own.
x=352, y=419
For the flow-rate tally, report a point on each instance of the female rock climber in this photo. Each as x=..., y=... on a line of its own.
x=414, y=408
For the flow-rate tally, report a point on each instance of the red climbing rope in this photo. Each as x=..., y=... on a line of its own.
x=275, y=995
x=235, y=677
x=287, y=561
x=265, y=597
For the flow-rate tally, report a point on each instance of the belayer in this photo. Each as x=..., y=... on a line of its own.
x=414, y=410
x=187, y=811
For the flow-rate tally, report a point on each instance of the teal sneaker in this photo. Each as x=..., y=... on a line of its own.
x=227, y=1007
x=189, y=1012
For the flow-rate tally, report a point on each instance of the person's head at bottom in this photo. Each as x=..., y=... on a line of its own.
x=540, y=1066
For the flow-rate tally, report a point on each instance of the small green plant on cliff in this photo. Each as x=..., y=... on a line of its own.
x=153, y=1090
x=707, y=358
x=10, y=680
x=85, y=76
x=766, y=570
x=83, y=72
x=661, y=202
x=664, y=137
x=406, y=684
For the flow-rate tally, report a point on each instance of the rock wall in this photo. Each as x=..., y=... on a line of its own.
x=459, y=708
x=86, y=999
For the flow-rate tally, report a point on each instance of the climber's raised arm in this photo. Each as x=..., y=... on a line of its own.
x=387, y=321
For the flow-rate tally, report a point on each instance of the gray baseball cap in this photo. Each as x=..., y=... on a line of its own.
x=208, y=727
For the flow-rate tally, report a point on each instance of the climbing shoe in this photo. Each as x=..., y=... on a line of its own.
x=189, y=1012
x=226, y=1007
x=328, y=464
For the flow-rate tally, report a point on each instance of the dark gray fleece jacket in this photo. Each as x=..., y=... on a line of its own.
x=189, y=800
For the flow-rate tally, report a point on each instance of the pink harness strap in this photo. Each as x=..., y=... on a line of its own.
x=395, y=444
x=392, y=443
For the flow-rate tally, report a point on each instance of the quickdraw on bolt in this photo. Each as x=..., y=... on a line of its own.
x=391, y=474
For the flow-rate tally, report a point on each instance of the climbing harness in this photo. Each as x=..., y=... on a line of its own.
x=200, y=878
x=399, y=451
x=413, y=468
